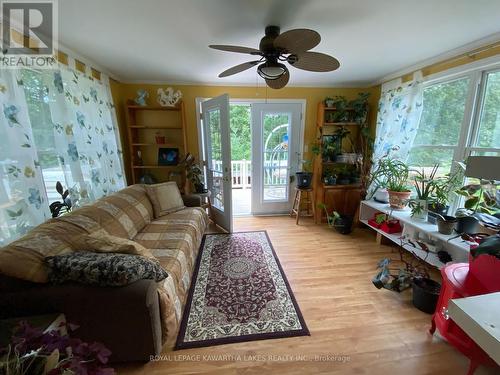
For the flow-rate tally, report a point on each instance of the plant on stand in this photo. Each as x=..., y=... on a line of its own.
x=360, y=107
x=63, y=206
x=393, y=174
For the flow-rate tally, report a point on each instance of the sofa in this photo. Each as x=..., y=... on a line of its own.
x=133, y=321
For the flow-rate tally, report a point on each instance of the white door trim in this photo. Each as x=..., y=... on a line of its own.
x=302, y=102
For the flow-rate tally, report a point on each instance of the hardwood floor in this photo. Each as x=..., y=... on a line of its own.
x=355, y=328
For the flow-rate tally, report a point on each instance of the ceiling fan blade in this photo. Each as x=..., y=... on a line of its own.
x=280, y=82
x=314, y=62
x=238, y=49
x=238, y=68
x=297, y=40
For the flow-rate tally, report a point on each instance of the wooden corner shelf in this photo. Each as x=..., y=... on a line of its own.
x=142, y=122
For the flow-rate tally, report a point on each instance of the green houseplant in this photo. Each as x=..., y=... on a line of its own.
x=341, y=223
x=360, y=107
x=393, y=175
x=424, y=186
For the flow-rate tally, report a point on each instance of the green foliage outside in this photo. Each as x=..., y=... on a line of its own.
x=240, y=132
x=36, y=94
x=442, y=116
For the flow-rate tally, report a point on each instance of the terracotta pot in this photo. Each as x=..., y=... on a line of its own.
x=398, y=199
x=446, y=224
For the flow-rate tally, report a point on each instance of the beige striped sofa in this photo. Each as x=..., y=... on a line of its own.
x=134, y=321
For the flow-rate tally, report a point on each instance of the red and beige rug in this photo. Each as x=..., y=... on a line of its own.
x=239, y=293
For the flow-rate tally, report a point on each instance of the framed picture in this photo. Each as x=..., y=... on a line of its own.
x=168, y=156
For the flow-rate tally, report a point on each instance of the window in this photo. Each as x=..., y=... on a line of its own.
x=460, y=117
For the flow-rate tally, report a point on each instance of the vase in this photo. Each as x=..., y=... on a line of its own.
x=422, y=214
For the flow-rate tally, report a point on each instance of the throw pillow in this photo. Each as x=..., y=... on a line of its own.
x=165, y=198
x=101, y=242
x=102, y=269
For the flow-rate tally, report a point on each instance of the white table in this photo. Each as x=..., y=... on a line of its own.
x=456, y=247
x=479, y=317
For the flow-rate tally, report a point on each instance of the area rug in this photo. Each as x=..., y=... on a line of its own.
x=239, y=292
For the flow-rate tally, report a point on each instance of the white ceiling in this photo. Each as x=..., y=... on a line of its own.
x=167, y=41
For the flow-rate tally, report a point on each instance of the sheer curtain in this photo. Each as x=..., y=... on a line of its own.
x=23, y=202
x=59, y=125
x=399, y=111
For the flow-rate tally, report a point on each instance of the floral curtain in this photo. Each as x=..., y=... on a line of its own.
x=399, y=111
x=86, y=135
x=60, y=126
x=23, y=202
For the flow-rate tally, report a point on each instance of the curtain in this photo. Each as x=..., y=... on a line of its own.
x=23, y=202
x=399, y=111
x=86, y=135
x=61, y=126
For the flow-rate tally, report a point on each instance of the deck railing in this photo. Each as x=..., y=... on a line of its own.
x=275, y=173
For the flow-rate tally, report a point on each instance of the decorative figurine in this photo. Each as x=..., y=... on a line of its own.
x=139, y=158
x=167, y=98
x=142, y=95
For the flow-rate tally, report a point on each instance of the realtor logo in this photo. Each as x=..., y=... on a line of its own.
x=28, y=33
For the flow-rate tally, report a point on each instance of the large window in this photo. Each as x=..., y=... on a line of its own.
x=460, y=117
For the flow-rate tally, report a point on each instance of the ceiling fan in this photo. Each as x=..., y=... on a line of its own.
x=292, y=47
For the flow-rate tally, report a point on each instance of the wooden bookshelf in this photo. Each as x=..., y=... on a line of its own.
x=144, y=123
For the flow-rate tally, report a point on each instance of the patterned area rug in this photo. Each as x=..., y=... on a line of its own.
x=239, y=293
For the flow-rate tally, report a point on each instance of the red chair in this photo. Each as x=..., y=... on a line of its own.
x=479, y=276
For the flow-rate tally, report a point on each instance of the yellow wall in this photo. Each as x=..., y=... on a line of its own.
x=459, y=60
x=121, y=92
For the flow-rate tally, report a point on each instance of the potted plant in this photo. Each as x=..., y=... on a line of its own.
x=341, y=223
x=413, y=273
x=344, y=175
x=194, y=173
x=304, y=177
x=360, y=107
x=424, y=186
x=340, y=104
x=64, y=205
x=329, y=102
x=393, y=174
x=443, y=190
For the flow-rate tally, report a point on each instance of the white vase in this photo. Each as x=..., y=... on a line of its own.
x=422, y=215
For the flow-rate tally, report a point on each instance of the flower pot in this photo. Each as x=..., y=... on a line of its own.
x=381, y=196
x=304, y=180
x=467, y=224
x=436, y=209
x=343, y=181
x=329, y=103
x=343, y=224
x=391, y=226
x=447, y=225
x=398, y=199
x=425, y=294
x=332, y=180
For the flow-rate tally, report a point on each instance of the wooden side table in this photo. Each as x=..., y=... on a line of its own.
x=308, y=200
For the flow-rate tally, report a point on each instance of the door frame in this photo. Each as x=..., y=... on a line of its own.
x=303, y=102
x=301, y=131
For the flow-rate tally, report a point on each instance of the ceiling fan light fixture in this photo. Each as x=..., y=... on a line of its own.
x=271, y=70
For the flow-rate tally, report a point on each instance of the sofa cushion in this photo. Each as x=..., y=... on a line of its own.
x=103, y=269
x=174, y=240
x=24, y=258
x=100, y=242
x=121, y=214
x=165, y=197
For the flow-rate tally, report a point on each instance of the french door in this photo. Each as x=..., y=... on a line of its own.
x=217, y=156
x=276, y=156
